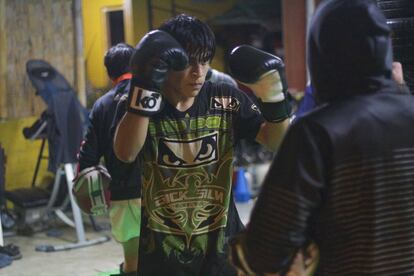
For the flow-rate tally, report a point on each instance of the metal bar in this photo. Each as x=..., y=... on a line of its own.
x=39, y=158
x=77, y=216
x=150, y=15
x=173, y=8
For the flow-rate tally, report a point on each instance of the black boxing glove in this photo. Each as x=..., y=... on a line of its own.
x=156, y=54
x=264, y=74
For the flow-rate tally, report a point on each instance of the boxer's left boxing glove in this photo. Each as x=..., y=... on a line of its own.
x=264, y=74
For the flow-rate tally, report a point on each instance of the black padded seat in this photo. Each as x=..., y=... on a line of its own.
x=28, y=197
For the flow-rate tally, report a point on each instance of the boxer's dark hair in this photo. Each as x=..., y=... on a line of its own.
x=195, y=37
x=117, y=58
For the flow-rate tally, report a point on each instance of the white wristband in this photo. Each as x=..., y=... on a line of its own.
x=144, y=101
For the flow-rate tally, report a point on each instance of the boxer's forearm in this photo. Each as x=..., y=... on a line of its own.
x=130, y=136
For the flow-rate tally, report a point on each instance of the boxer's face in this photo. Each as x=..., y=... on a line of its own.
x=187, y=83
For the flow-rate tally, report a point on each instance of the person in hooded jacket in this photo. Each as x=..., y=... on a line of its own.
x=343, y=176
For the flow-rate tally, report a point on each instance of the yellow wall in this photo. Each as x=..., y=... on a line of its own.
x=21, y=155
x=136, y=20
x=95, y=38
x=136, y=24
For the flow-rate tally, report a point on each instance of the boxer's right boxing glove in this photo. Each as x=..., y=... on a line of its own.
x=264, y=74
x=156, y=54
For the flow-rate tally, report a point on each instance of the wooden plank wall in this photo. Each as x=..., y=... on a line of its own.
x=32, y=29
x=3, y=63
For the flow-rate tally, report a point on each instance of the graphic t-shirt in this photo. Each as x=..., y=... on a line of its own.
x=188, y=210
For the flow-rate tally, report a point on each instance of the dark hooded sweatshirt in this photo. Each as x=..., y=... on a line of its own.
x=97, y=143
x=344, y=175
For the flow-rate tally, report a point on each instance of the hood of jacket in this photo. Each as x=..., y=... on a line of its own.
x=349, y=49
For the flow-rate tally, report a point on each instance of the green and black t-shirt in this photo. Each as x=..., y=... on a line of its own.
x=188, y=210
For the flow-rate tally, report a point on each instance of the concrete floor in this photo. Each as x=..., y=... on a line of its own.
x=87, y=261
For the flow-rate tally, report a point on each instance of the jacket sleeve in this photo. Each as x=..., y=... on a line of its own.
x=291, y=192
x=249, y=118
x=90, y=152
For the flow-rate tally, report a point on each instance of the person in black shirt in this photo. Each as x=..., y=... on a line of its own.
x=184, y=130
x=124, y=210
